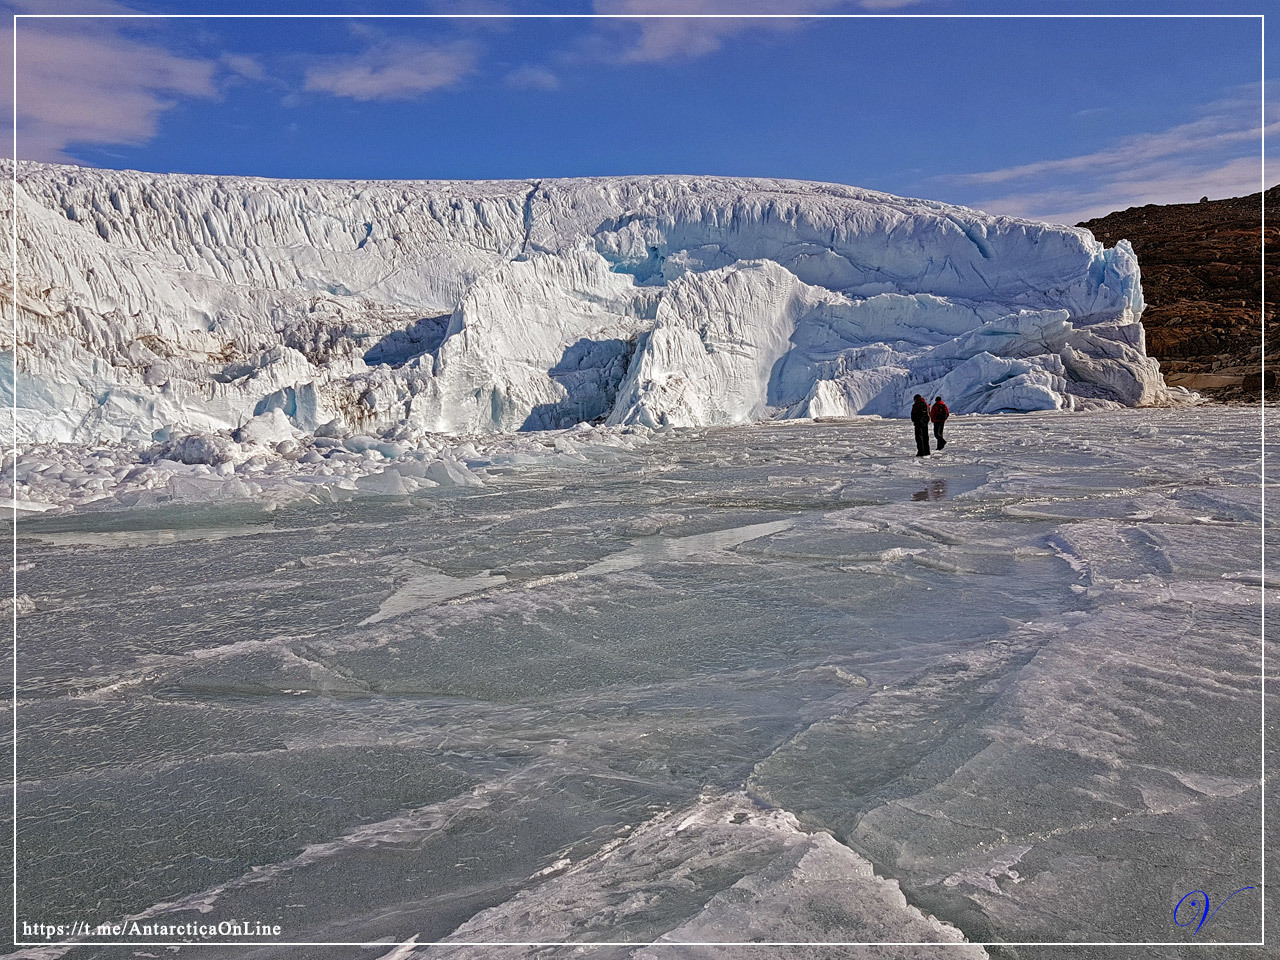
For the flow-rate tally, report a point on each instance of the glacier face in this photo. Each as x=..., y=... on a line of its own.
x=155, y=306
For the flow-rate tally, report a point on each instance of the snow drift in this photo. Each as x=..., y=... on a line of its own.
x=158, y=307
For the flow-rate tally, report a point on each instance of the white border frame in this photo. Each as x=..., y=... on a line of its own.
x=13, y=242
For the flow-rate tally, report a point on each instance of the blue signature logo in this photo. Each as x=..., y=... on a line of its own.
x=1205, y=916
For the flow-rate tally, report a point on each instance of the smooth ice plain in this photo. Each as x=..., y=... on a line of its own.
x=781, y=683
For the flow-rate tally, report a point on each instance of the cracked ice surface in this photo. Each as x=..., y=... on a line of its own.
x=777, y=682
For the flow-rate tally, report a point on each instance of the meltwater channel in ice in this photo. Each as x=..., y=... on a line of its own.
x=780, y=682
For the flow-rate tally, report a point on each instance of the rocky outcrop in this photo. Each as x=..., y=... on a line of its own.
x=1202, y=280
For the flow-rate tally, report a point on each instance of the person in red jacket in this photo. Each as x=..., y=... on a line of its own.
x=920, y=417
x=938, y=413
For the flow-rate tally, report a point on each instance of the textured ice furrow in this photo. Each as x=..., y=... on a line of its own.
x=1068, y=552
x=429, y=589
x=1090, y=705
x=157, y=669
x=405, y=951
x=681, y=548
x=1106, y=691
x=407, y=828
x=1003, y=862
x=759, y=877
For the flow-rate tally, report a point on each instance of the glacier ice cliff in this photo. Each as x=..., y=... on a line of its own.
x=153, y=307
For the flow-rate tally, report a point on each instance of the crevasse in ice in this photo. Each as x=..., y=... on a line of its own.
x=158, y=306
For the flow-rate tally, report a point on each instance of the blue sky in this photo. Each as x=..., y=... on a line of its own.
x=1050, y=118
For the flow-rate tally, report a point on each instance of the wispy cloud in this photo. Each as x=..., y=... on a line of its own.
x=1234, y=178
x=76, y=7
x=463, y=7
x=1181, y=141
x=653, y=39
x=244, y=67
x=84, y=82
x=1217, y=154
x=533, y=78
x=699, y=27
x=394, y=70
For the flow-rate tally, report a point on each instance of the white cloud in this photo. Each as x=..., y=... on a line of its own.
x=84, y=82
x=658, y=38
x=79, y=7
x=460, y=8
x=394, y=71
x=698, y=27
x=1183, y=140
x=242, y=66
x=657, y=31
x=1234, y=178
x=533, y=78
x=1217, y=154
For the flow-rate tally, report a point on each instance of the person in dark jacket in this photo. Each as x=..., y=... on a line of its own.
x=938, y=413
x=920, y=417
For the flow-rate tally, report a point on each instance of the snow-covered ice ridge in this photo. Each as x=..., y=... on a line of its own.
x=158, y=306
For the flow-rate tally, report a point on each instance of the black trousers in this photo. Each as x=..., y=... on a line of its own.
x=922, y=439
x=937, y=433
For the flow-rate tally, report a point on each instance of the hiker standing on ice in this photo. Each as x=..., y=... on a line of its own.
x=920, y=417
x=938, y=413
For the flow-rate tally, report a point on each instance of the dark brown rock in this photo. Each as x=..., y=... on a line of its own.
x=1202, y=280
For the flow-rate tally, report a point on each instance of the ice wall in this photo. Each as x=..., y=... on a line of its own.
x=153, y=306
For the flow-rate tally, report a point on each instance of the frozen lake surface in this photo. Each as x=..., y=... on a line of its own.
x=782, y=683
